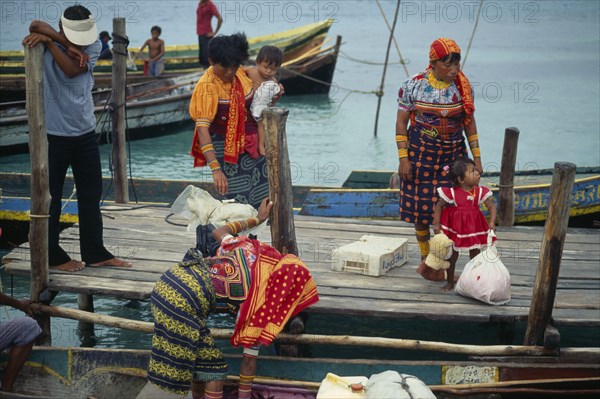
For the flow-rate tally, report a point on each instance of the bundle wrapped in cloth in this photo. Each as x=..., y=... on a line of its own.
x=200, y=208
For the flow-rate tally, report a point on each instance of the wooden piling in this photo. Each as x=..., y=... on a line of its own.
x=283, y=233
x=40, y=192
x=119, y=82
x=506, y=192
x=85, y=302
x=555, y=230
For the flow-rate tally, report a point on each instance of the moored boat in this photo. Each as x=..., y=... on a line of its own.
x=532, y=191
x=53, y=372
x=179, y=59
x=159, y=106
x=364, y=196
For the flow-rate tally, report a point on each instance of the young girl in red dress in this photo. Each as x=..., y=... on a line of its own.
x=457, y=213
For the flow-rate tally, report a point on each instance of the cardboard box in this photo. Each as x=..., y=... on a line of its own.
x=371, y=255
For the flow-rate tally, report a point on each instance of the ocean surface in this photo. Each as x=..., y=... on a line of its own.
x=534, y=65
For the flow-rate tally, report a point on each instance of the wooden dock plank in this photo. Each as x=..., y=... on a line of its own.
x=143, y=236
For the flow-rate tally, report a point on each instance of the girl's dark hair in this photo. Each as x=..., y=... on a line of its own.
x=76, y=13
x=459, y=168
x=228, y=51
x=452, y=57
x=271, y=54
x=156, y=28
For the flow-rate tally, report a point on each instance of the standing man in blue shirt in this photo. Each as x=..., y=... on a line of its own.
x=69, y=59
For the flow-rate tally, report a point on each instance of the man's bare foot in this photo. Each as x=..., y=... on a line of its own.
x=448, y=287
x=70, y=266
x=115, y=262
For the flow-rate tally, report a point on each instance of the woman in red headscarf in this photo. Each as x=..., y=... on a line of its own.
x=435, y=113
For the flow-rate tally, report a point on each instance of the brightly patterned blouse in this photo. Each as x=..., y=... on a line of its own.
x=434, y=111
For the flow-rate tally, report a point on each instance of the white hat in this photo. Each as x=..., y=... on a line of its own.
x=80, y=32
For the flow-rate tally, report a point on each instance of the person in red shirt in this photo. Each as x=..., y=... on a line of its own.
x=204, y=13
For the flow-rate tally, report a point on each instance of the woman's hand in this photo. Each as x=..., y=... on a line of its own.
x=34, y=38
x=264, y=209
x=405, y=169
x=220, y=181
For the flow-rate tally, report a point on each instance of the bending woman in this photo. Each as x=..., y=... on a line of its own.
x=226, y=135
x=243, y=274
x=435, y=112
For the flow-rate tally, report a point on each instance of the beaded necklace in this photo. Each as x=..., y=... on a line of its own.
x=437, y=84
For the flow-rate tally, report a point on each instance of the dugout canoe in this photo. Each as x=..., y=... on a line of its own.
x=53, y=372
x=532, y=191
x=363, y=196
x=179, y=59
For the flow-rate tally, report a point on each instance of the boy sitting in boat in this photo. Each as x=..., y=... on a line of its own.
x=266, y=86
x=268, y=288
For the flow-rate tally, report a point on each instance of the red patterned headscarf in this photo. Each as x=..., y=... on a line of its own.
x=439, y=49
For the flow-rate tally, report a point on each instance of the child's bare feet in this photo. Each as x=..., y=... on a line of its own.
x=448, y=287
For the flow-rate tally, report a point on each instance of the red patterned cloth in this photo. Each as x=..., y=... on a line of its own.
x=462, y=220
x=282, y=287
x=439, y=49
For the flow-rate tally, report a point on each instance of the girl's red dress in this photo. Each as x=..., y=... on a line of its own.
x=462, y=220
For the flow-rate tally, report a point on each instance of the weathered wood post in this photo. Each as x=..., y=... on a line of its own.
x=555, y=230
x=86, y=329
x=283, y=233
x=506, y=208
x=119, y=76
x=40, y=192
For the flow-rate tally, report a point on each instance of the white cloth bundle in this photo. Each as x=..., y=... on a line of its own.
x=485, y=277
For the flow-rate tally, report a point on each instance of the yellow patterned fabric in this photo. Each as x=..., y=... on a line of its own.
x=182, y=348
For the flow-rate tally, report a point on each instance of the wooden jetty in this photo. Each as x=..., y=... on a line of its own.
x=147, y=237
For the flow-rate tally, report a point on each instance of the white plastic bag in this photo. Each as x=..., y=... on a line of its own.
x=392, y=385
x=485, y=277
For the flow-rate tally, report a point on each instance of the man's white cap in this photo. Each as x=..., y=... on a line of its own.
x=80, y=32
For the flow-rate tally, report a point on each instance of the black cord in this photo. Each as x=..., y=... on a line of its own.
x=173, y=223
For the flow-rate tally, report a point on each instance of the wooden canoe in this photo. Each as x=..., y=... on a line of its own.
x=379, y=203
x=293, y=42
x=532, y=193
x=53, y=372
x=158, y=107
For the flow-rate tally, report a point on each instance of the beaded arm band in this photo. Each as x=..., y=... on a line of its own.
x=237, y=226
x=402, y=151
x=473, y=140
x=214, y=165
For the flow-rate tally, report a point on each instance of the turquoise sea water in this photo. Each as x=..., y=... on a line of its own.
x=533, y=64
